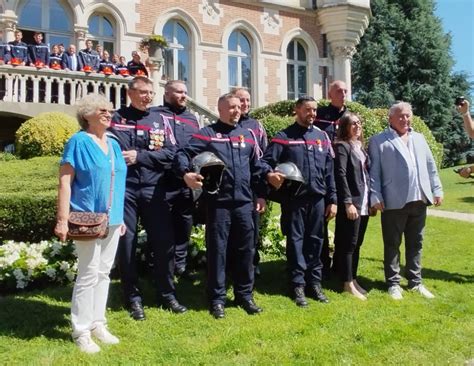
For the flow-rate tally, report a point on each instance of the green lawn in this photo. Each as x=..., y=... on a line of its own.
x=458, y=192
x=34, y=327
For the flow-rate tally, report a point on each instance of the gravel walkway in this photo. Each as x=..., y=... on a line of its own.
x=452, y=215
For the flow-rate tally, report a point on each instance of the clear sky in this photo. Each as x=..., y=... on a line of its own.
x=458, y=19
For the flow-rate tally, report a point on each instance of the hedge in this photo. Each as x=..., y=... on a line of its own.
x=28, y=191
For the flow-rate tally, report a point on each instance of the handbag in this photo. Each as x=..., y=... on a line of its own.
x=91, y=225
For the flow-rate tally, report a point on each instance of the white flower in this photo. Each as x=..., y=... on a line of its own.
x=64, y=266
x=21, y=283
x=18, y=273
x=56, y=248
x=51, y=272
x=70, y=275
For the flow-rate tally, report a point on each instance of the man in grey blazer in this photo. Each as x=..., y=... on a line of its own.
x=404, y=181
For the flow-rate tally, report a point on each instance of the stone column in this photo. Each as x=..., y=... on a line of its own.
x=343, y=22
x=80, y=33
x=342, y=65
x=156, y=63
x=8, y=25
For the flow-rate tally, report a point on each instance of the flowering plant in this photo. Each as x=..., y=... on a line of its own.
x=153, y=40
x=23, y=265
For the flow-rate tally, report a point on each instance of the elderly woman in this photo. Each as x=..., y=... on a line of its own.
x=90, y=159
x=352, y=185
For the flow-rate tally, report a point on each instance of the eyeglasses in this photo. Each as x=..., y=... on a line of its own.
x=144, y=92
x=357, y=122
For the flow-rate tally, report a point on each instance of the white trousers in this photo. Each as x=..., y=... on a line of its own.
x=89, y=297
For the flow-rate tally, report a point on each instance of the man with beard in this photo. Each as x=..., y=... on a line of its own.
x=184, y=124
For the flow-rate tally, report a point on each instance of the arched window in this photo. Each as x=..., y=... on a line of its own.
x=49, y=17
x=177, y=56
x=240, y=61
x=102, y=31
x=296, y=70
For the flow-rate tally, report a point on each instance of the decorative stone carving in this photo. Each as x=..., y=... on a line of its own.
x=211, y=12
x=271, y=21
x=344, y=51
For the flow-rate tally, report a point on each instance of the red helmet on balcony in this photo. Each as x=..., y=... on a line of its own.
x=140, y=73
x=56, y=66
x=124, y=72
x=39, y=64
x=87, y=68
x=15, y=61
x=107, y=71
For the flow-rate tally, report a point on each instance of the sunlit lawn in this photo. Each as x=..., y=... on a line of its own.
x=458, y=192
x=34, y=326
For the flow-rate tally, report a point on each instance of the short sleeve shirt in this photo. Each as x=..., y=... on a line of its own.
x=90, y=188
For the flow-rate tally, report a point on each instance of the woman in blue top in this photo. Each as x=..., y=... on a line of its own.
x=84, y=185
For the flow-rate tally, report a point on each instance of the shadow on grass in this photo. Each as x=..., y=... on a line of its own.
x=467, y=199
x=27, y=317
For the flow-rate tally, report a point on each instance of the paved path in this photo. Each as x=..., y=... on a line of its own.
x=452, y=215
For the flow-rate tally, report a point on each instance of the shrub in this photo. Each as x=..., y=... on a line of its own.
x=7, y=156
x=45, y=134
x=28, y=191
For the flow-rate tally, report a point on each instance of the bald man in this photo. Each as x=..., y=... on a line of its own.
x=326, y=120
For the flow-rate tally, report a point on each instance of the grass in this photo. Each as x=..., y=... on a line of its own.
x=34, y=326
x=458, y=192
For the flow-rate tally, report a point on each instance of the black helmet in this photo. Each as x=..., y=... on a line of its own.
x=211, y=168
x=291, y=185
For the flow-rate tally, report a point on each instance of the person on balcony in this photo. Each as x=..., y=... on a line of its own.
x=18, y=50
x=106, y=66
x=121, y=67
x=38, y=52
x=136, y=67
x=100, y=51
x=4, y=53
x=70, y=60
x=89, y=58
x=62, y=49
x=55, y=60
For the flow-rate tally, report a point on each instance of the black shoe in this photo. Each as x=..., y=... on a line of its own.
x=298, y=295
x=316, y=292
x=249, y=306
x=136, y=311
x=217, y=311
x=174, y=306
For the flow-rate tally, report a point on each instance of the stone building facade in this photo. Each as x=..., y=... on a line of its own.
x=279, y=49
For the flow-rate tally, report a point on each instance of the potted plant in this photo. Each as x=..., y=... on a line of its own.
x=154, y=44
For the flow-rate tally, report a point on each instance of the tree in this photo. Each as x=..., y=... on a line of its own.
x=405, y=55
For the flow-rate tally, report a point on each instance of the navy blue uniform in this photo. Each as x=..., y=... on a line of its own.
x=4, y=52
x=302, y=217
x=55, y=61
x=184, y=124
x=103, y=64
x=121, y=69
x=90, y=58
x=327, y=121
x=137, y=68
x=260, y=136
x=229, y=225
x=38, y=52
x=145, y=198
x=19, y=50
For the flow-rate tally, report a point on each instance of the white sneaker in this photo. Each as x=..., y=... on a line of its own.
x=395, y=292
x=102, y=334
x=423, y=291
x=86, y=344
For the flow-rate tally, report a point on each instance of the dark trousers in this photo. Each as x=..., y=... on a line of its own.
x=182, y=216
x=229, y=232
x=302, y=222
x=348, y=240
x=410, y=222
x=148, y=204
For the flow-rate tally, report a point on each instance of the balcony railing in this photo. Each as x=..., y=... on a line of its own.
x=28, y=84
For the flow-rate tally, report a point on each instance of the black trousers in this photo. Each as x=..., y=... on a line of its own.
x=182, y=217
x=229, y=233
x=302, y=222
x=348, y=239
x=147, y=203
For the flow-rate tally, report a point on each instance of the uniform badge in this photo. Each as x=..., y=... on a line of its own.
x=123, y=121
x=319, y=144
x=219, y=135
x=157, y=139
x=242, y=141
